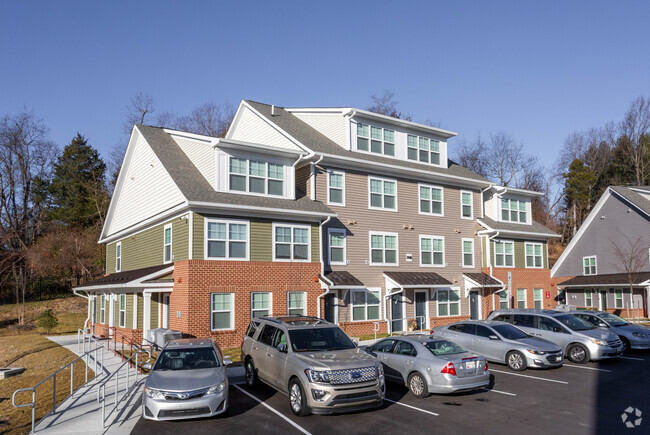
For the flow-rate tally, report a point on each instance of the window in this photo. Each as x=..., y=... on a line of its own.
x=383, y=248
x=534, y=255
x=432, y=251
x=503, y=299
x=382, y=194
x=521, y=298
x=404, y=348
x=589, y=265
x=618, y=299
x=513, y=210
x=102, y=309
x=588, y=299
x=431, y=200
x=448, y=302
x=483, y=331
x=423, y=149
x=221, y=311
x=337, y=246
x=256, y=177
x=504, y=253
x=167, y=244
x=260, y=304
x=375, y=139
x=365, y=305
x=466, y=206
x=122, y=319
x=291, y=242
x=468, y=252
x=537, y=298
x=267, y=334
x=226, y=240
x=118, y=257
x=296, y=304
x=336, y=187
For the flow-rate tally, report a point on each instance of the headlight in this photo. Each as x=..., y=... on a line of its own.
x=216, y=389
x=153, y=394
x=599, y=342
x=380, y=370
x=536, y=352
x=640, y=334
x=316, y=376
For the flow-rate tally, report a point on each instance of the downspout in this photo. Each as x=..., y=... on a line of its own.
x=320, y=296
x=390, y=295
x=483, y=202
x=490, y=260
x=322, y=261
x=89, y=304
x=312, y=185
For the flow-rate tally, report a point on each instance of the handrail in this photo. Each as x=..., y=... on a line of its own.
x=32, y=404
x=130, y=341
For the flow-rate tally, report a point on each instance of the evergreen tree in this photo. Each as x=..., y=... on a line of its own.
x=47, y=320
x=578, y=185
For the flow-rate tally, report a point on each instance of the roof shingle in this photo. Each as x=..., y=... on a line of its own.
x=417, y=278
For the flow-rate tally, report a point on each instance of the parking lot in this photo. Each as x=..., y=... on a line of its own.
x=588, y=398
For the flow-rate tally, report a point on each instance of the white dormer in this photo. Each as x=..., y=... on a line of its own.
x=506, y=204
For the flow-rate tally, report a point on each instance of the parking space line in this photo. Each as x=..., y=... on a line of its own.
x=500, y=392
x=300, y=428
x=412, y=407
x=586, y=368
x=632, y=358
x=531, y=377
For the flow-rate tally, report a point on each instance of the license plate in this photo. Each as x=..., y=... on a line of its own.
x=470, y=365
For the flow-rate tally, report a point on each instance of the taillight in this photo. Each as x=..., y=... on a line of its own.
x=485, y=366
x=431, y=332
x=449, y=369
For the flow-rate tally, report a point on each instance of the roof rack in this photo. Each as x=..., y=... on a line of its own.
x=294, y=319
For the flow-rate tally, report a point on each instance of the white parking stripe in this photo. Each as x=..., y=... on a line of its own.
x=531, y=377
x=501, y=392
x=632, y=358
x=412, y=407
x=586, y=368
x=300, y=428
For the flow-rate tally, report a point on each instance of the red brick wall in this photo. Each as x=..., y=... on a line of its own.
x=523, y=278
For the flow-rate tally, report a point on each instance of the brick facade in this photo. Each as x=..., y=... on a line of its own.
x=528, y=279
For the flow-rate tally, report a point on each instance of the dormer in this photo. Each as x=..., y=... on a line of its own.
x=506, y=204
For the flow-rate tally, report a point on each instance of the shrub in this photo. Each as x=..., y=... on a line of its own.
x=47, y=320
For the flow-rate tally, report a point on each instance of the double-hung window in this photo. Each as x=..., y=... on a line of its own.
x=468, y=252
x=618, y=298
x=365, y=305
x=102, y=309
x=448, y=302
x=118, y=257
x=336, y=187
x=375, y=139
x=504, y=253
x=122, y=320
x=588, y=298
x=589, y=265
x=337, y=246
x=226, y=240
x=291, y=242
x=382, y=194
x=260, y=304
x=296, y=304
x=521, y=298
x=537, y=298
x=466, y=207
x=431, y=200
x=423, y=149
x=167, y=243
x=432, y=251
x=221, y=311
x=503, y=299
x=513, y=210
x=255, y=176
x=534, y=255
x=383, y=248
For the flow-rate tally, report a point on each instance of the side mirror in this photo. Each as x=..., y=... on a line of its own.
x=493, y=337
x=603, y=325
x=556, y=329
x=368, y=349
x=281, y=347
x=227, y=361
x=147, y=366
x=356, y=342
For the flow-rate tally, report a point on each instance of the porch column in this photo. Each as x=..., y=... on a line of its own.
x=146, y=316
x=111, y=313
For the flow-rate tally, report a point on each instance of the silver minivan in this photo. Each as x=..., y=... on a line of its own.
x=581, y=341
x=633, y=336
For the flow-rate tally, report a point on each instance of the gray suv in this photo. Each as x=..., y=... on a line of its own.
x=314, y=362
x=581, y=340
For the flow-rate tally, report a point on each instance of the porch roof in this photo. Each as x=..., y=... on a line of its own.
x=482, y=280
x=342, y=279
x=612, y=279
x=417, y=279
x=146, y=276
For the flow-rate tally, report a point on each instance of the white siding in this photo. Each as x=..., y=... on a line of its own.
x=332, y=125
x=146, y=191
x=202, y=155
x=251, y=128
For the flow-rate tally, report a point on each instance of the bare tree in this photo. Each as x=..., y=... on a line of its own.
x=140, y=108
x=631, y=256
x=636, y=128
x=471, y=155
x=386, y=105
x=209, y=119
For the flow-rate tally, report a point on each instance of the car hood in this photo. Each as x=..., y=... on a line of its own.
x=537, y=344
x=599, y=334
x=336, y=359
x=185, y=380
x=632, y=328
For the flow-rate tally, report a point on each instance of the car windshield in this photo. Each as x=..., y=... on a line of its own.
x=187, y=359
x=510, y=332
x=612, y=319
x=574, y=323
x=315, y=339
x=443, y=347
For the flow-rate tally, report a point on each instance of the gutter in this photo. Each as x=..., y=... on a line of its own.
x=322, y=262
x=89, y=303
x=312, y=186
x=329, y=285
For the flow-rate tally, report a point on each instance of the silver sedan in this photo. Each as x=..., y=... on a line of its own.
x=503, y=343
x=633, y=336
x=430, y=365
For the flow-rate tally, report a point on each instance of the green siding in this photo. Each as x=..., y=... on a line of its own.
x=140, y=311
x=520, y=254
x=261, y=248
x=198, y=236
x=315, y=247
x=129, y=310
x=180, y=239
x=110, y=258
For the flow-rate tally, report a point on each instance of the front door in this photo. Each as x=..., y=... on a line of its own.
x=603, y=301
x=397, y=313
x=474, y=301
x=421, y=315
x=330, y=307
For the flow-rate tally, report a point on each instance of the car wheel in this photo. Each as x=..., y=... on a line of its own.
x=250, y=373
x=626, y=344
x=418, y=385
x=516, y=361
x=578, y=354
x=297, y=399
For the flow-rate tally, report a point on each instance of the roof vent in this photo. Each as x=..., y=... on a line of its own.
x=273, y=110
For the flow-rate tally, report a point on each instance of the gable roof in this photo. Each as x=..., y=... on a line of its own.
x=636, y=199
x=536, y=228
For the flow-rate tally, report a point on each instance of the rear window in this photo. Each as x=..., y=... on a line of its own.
x=443, y=347
x=252, y=328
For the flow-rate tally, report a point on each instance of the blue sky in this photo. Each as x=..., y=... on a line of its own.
x=537, y=70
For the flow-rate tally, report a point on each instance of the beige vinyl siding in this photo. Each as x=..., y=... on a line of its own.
x=155, y=310
x=302, y=178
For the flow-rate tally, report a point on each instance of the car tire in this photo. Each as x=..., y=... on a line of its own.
x=516, y=361
x=297, y=399
x=249, y=373
x=418, y=385
x=626, y=344
x=578, y=354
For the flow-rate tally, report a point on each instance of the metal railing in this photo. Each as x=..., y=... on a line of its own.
x=377, y=324
x=84, y=357
x=101, y=390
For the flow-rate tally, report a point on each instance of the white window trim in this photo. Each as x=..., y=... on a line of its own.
x=616, y=298
x=329, y=246
x=382, y=179
x=448, y=303
x=462, y=253
x=171, y=251
x=504, y=254
x=122, y=310
x=498, y=299
x=525, y=296
x=427, y=236
x=370, y=139
x=247, y=176
x=102, y=308
x=541, y=255
x=270, y=303
x=528, y=212
x=231, y=311
x=442, y=200
x=591, y=298
x=541, y=297
x=440, y=151
x=382, y=233
x=226, y=221
x=292, y=226
x=471, y=204
x=335, y=172
x=118, y=264
x=304, y=306
x=595, y=257
x=365, y=305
